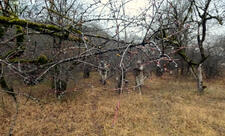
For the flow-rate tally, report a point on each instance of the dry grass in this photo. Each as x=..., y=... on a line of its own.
x=168, y=107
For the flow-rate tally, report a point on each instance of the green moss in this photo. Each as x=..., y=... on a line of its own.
x=42, y=59
x=24, y=23
x=78, y=31
x=43, y=28
x=51, y=27
x=175, y=42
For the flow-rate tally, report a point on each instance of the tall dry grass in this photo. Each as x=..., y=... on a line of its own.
x=169, y=106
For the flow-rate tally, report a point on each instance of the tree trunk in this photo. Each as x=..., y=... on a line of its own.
x=86, y=71
x=58, y=83
x=7, y=89
x=187, y=70
x=200, y=79
x=182, y=69
x=121, y=82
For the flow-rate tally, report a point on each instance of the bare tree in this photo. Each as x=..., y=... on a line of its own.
x=162, y=29
x=179, y=25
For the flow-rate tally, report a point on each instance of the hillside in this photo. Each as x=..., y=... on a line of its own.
x=169, y=106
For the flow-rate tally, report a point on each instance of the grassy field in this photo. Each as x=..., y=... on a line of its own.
x=169, y=106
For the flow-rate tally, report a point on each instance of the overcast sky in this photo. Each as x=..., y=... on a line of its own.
x=134, y=7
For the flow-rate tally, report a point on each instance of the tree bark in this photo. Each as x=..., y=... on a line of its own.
x=200, y=79
x=86, y=71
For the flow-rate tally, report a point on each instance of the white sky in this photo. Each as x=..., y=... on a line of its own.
x=132, y=8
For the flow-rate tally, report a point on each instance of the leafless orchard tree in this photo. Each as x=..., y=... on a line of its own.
x=51, y=37
x=179, y=22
